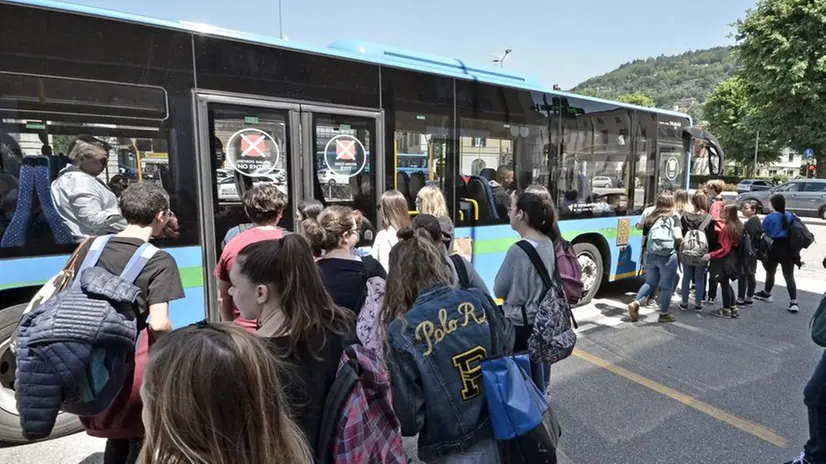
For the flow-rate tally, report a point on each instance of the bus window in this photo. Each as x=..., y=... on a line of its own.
x=37, y=152
x=420, y=141
x=505, y=145
x=486, y=161
x=596, y=145
x=645, y=153
x=421, y=132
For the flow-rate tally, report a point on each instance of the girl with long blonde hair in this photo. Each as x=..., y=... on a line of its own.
x=212, y=394
x=430, y=200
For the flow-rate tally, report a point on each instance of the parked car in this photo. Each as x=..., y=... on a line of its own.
x=329, y=177
x=601, y=182
x=753, y=185
x=227, y=190
x=805, y=197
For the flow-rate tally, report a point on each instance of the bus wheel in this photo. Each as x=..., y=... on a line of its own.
x=10, y=430
x=592, y=271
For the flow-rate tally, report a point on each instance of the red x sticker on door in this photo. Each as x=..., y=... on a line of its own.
x=253, y=152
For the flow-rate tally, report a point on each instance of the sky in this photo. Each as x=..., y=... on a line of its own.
x=558, y=42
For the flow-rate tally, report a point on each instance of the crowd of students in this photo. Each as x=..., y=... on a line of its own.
x=705, y=237
x=254, y=387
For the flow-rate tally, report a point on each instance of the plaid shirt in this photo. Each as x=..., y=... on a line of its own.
x=368, y=430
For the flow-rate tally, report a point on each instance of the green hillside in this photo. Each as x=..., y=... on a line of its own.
x=682, y=81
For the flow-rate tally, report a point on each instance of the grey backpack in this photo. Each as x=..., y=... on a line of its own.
x=552, y=337
x=695, y=244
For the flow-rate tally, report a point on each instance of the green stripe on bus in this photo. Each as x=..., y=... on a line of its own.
x=501, y=245
x=191, y=277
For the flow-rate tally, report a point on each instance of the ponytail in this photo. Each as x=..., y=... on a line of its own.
x=540, y=214
x=315, y=235
x=425, y=226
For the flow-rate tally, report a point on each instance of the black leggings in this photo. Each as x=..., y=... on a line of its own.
x=727, y=291
x=746, y=286
x=787, y=266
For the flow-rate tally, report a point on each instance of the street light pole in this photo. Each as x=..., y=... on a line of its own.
x=280, y=21
x=501, y=61
x=756, y=144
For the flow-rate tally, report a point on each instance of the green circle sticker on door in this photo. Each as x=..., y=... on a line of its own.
x=345, y=155
x=253, y=152
x=672, y=169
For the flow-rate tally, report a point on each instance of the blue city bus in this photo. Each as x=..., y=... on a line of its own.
x=215, y=99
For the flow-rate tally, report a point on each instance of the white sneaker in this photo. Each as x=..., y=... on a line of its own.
x=793, y=308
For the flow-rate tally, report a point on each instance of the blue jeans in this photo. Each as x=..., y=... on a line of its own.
x=484, y=452
x=698, y=275
x=659, y=272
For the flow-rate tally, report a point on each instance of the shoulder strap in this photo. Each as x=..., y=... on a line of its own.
x=706, y=222
x=138, y=261
x=461, y=270
x=341, y=389
x=536, y=260
x=92, y=256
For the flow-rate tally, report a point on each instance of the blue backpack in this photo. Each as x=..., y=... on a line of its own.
x=76, y=349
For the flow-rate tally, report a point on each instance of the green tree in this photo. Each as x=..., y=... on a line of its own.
x=783, y=67
x=60, y=143
x=590, y=91
x=637, y=98
x=729, y=115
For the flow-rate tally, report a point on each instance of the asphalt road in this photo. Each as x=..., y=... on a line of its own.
x=701, y=390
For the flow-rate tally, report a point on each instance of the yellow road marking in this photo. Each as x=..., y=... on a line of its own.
x=757, y=430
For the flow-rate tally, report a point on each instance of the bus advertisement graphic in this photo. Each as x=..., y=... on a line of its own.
x=253, y=152
x=345, y=155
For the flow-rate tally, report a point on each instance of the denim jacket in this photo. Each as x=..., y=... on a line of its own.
x=434, y=363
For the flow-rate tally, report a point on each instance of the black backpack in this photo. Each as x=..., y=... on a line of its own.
x=799, y=235
x=461, y=271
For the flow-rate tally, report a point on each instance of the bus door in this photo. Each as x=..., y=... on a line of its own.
x=307, y=152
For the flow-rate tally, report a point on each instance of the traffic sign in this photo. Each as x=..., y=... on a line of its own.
x=808, y=153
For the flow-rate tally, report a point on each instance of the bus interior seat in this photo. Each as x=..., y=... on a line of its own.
x=417, y=182
x=402, y=186
x=488, y=173
x=479, y=189
x=34, y=179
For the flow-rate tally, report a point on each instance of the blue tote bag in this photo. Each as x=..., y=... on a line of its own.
x=523, y=423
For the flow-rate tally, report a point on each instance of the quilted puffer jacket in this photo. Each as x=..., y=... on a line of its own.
x=75, y=351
